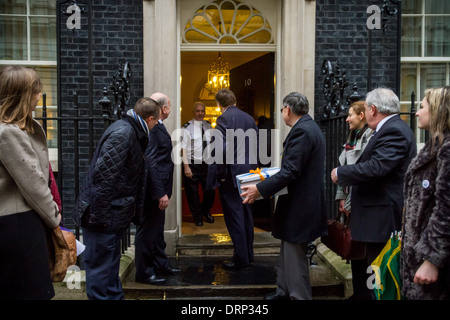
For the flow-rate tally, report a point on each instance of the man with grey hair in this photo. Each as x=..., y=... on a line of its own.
x=300, y=215
x=151, y=260
x=377, y=182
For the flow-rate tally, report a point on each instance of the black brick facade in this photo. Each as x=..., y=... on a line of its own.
x=341, y=34
x=111, y=33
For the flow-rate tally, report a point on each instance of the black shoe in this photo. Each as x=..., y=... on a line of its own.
x=170, y=271
x=209, y=218
x=154, y=279
x=275, y=296
x=231, y=265
x=198, y=223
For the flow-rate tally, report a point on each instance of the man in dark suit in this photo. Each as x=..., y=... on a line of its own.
x=377, y=182
x=237, y=135
x=150, y=257
x=300, y=215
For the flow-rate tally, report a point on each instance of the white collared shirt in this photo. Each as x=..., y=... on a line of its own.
x=194, y=134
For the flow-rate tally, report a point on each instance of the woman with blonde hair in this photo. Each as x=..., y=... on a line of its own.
x=425, y=263
x=27, y=208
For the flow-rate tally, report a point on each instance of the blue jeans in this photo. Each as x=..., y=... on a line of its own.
x=102, y=262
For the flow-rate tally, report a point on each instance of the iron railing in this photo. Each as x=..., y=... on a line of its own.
x=336, y=132
x=111, y=112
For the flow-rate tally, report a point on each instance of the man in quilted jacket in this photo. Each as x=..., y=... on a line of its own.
x=113, y=195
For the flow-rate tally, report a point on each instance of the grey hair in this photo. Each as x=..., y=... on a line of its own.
x=385, y=100
x=297, y=102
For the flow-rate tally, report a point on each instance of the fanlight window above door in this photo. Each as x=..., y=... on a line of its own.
x=227, y=22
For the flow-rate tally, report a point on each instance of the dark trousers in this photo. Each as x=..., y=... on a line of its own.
x=150, y=247
x=102, y=262
x=198, y=208
x=239, y=222
x=362, y=276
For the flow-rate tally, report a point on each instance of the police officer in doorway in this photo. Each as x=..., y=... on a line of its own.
x=194, y=141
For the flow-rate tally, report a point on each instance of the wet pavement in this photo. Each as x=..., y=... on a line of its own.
x=204, y=277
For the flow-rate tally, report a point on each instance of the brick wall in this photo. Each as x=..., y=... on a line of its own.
x=110, y=34
x=341, y=34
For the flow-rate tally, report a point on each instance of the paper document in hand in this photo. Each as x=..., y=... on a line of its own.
x=256, y=176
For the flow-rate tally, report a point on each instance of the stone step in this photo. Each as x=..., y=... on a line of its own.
x=220, y=244
x=200, y=258
x=205, y=278
x=247, y=292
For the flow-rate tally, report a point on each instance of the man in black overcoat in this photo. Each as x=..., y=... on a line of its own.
x=377, y=182
x=300, y=215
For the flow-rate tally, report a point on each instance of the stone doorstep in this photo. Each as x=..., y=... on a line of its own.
x=338, y=266
x=254, y=292
x=73, y=287
x=325, y=285
x=148, y=292
x=221, y=244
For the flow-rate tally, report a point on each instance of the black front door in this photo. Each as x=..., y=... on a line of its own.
x=253, y=85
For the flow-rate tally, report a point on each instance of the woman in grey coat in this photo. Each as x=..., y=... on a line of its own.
x=425, y=265
x=353, y=149
x=27, y=209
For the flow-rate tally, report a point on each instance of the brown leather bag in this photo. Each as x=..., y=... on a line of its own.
x=339, y=240
x=62, y=252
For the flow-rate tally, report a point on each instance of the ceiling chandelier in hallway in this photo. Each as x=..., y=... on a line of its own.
x=218, y=76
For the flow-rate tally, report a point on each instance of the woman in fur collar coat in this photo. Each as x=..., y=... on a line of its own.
x=425, y=263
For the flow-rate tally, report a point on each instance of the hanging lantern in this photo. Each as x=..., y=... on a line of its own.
x=218, y=76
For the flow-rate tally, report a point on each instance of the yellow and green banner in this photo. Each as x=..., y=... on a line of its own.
x=386, y=266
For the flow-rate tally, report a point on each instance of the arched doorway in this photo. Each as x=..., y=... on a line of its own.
x=293, y=30
x=252, y=81
x=245, y=38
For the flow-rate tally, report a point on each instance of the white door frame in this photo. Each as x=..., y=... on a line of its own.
x=295, y=64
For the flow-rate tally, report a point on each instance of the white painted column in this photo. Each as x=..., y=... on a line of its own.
x=160, y=75
x=297, y=51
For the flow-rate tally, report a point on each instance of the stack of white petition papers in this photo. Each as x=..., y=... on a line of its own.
x=255, y=177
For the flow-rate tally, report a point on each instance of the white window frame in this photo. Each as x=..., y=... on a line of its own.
x=28, y=62
x=422, y=59
x=269, y=46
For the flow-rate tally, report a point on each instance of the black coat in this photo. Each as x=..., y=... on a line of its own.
x=243, y=156
x=377, y=182
x=300, y=215
x=159, y=163
x=113, y=192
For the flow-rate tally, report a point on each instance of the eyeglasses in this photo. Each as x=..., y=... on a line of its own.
x=281, y=110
